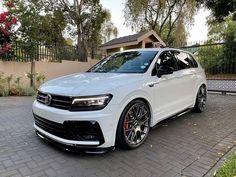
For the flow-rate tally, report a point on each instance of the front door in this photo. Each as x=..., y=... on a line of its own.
x=167, y=89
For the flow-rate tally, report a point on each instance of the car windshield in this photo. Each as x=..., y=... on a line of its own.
x=125, y=62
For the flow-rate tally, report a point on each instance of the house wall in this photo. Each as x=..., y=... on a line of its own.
x=49, y=69
x=148, y=44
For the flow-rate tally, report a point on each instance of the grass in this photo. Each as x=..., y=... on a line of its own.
x=229, y=168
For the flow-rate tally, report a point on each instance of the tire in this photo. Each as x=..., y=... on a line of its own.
x=133, y=126
x=201, y=98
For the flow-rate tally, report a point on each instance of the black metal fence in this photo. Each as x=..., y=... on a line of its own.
x=218, y=59
x=25, y=52
x=219, y=62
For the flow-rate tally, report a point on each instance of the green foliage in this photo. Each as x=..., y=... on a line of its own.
x=44, y=22
x=103, y=30
x=229, y=168
x=219, y=8
x=210, y=57
x=17, y=81
x=10, y=88
x=40, y=78
x=39, y=26
x=7, y=29
x=3, y=89
x=222, y=31
x=108, y=29
x=28, y=92
x=168, y=18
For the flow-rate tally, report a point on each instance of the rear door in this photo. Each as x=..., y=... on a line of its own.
x=187, y=77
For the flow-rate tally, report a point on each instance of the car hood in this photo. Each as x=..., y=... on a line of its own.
x=82, y=84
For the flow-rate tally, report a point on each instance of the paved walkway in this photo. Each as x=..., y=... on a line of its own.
x=189, y=145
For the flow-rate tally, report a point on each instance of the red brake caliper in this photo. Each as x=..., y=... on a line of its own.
x=126, y=123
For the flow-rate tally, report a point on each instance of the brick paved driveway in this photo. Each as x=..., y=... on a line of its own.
x=189, y=145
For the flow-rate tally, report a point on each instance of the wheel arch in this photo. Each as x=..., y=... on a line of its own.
x=132, y=98
x=142, y=98
x=198, y=87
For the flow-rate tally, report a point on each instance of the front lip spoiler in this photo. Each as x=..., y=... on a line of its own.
x=64, y=141
x=75, y=149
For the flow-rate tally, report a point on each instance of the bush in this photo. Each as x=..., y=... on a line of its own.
x=210, y=58
x=28, y=92
x=10, y=88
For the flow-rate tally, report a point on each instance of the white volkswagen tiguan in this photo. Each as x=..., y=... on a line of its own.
x=117, y=101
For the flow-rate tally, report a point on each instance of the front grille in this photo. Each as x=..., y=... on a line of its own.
x=50, y=127
x=72, y=130
x=57, y=101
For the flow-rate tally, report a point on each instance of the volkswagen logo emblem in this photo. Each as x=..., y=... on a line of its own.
x=48, y=99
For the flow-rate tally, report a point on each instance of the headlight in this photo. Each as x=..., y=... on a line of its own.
x=90, y=103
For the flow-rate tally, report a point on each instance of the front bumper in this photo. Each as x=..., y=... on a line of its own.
x=107, y=120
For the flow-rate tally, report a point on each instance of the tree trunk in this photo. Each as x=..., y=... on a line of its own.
x=32, y=73
x=82, y=52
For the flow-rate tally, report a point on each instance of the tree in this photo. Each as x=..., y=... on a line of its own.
x=109, y=30
x=224, y=31
x=219, y=8
x=93, y=28
x=87, y=17
x=7, y=23
x=39, y=23
x=166, y=17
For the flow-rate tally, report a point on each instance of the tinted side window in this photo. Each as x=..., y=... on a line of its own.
x=167, y=58
x=184, y=61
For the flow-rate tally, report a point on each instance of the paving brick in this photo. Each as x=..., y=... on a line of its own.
x=7, y=163
x=188, y=145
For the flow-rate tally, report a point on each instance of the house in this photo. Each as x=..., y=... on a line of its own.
x=144, y=39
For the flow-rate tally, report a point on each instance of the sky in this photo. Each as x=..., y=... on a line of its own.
x=197, y=32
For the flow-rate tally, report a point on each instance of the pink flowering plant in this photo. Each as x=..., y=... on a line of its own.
x=7, y=23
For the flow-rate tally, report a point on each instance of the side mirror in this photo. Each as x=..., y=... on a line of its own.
x=164, y=70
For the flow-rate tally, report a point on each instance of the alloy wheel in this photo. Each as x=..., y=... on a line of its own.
x=136, y=124
x=202, y=98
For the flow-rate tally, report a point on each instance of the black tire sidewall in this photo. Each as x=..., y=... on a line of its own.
x=196, y=107
x=121, y=141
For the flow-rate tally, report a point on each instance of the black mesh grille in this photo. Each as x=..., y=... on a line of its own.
x=61, y=102
x=50, y=127
x=72, y=130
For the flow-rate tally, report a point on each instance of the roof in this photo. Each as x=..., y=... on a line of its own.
x=132, y=39
x=125, y=39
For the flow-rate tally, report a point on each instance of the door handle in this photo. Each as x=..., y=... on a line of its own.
x=152, y=84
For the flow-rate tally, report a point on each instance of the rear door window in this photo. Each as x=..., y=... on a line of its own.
x=184, y=60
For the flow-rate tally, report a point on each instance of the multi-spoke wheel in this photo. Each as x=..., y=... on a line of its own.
x=201, y=99
x=134, y=125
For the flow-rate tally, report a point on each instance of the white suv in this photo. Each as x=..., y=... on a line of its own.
x=117, y=101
